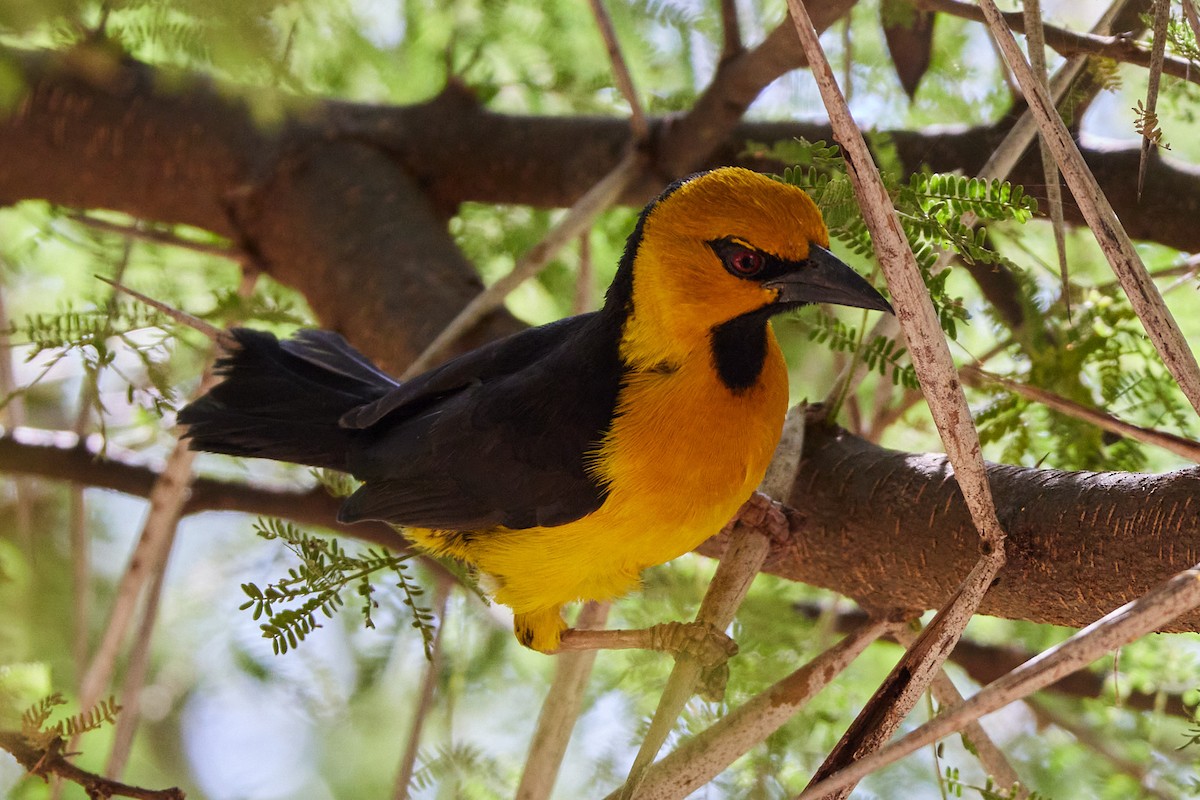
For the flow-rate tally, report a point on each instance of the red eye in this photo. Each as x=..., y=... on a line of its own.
x=745, y=262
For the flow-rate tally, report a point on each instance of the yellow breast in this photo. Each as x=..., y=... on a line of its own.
x=682, y=455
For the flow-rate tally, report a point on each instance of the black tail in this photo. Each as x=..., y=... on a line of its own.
x=282, y=400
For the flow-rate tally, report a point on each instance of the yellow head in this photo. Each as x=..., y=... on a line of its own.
x=717, y=247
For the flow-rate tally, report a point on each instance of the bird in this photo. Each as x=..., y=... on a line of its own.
x=563, y=460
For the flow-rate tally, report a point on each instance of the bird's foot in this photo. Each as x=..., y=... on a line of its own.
x=710, y=648
x=765, y=515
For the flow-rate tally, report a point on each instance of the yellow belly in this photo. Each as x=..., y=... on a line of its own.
x=681, y=457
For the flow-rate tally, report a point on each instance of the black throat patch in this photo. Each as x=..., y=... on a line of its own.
x=739, y=348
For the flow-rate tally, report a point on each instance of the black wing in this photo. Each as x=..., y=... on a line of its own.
x=499, y=436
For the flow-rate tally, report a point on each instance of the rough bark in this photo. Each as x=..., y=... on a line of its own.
x=886, y=528
x=890, y=530
x=346, y=202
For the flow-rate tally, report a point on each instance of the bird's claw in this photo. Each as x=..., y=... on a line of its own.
x=765, y=515
x=711, y=648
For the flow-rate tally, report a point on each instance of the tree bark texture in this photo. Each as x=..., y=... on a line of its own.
x=886, y=528
x=347, y=202
x=890, y=530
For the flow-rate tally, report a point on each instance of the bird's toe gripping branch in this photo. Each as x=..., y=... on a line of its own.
x=710, y=647
x=765, y=515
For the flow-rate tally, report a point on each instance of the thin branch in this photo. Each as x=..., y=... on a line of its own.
x=136, y=671
x=994, y=762
x=12, y=412
x=935, y=368
x=1143, y=295
x=149, y=558
x=574, y=223
x=984, y=663
x=429, y=681
x=918, y=319
x=560, y=710
x=1179, y=445
x=158, y=236
x=638, y=124
x=748, y=547
x=908, y=680
x=52, y=761
x=1148, y=118
x=1117, y=629
x=584, y=299
x=1036, y=40
x=1192, y=17
x=1070, y=43
x=211, y=331
x=1102, y=746
x=81, y=561
x=706, y=755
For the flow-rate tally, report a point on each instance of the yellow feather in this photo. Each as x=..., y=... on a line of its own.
x=685, y=451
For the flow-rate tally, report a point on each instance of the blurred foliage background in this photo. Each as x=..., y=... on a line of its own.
x=225, y=718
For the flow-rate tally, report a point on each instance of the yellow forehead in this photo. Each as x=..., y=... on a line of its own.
x=737, y=203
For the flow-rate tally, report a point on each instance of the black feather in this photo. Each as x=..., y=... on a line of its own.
x=282, y=400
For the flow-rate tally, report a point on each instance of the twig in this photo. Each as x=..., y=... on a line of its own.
x=1117, y=629
x=638, y=125
x=574, y=223
x=1036, y=40
x=1192, y=17
x=1179, y=445
x=918, y=320
x=585, y=288
x=747, y=550
x=167, y=499
x=52, y=761
x=908, y=680
x=135, y=679
x=1047, y=713
x=1070, y=43
x=81, y=561
x=155, y=236
x=560, y=710
x=429, y=681
x=1149, y=114
x=994, y=762
x=706, y=755
x=985, y=663
x=939, y=381
x=218, y=335
x=785, y=463
x=1143, y=294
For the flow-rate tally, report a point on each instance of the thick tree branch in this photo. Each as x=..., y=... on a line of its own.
x=346, y=202
x=884, y=527
x=1079, y=543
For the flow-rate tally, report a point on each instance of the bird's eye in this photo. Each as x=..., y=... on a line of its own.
x=745, y=263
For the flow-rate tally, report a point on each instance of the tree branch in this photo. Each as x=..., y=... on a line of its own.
x=1079, y=543
x=51, y=761
x=1071, y=43
x=346, y=202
